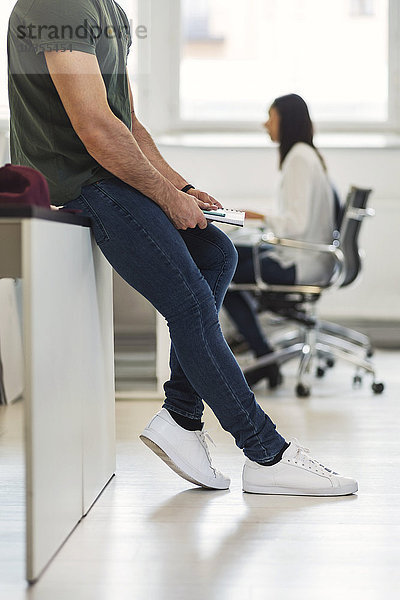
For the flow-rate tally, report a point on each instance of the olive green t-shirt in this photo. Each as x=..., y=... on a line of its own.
x=42, y=136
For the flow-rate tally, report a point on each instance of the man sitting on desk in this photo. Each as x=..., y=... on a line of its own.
x=72, y=118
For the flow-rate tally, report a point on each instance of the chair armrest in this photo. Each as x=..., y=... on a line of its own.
x=270, y=238
x=360, y=213
x=331, y=249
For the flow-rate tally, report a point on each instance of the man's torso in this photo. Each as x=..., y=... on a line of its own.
x=42, y=136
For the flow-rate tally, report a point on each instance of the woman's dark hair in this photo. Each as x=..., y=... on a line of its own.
x=295, y=125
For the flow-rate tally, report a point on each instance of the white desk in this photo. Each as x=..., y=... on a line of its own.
x=69, y=371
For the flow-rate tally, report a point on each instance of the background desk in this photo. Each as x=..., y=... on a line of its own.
x=69, y=370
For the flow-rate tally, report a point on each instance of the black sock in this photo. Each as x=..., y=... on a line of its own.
x=186, y=422
x=276, y=459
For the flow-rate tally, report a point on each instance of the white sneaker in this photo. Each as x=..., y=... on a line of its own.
x=297, y=474
x=186, y=452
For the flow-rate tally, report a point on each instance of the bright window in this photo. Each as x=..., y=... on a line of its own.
x=238, y=55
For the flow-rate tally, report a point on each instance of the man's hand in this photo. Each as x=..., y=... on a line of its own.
x=204, y=200
x=185, y=213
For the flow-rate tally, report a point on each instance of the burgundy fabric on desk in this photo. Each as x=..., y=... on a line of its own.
x=23, y=186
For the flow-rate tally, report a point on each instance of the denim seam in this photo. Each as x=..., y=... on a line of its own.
x=182, y=412
x=197, y=397
x=123, y=208
x=224, y=265
x=96, y=217
x=238, y=401
x=214, y=290
x=191, y=415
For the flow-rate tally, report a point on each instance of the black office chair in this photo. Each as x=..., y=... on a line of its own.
x=314, y=339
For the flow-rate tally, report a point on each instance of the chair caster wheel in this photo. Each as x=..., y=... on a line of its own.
x=302, y=391
x=357, y=381
x=330, y=363
x=320, y=372
x=377, y=388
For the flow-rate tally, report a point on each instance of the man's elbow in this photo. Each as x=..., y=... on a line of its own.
x=94, y=132
x=137, y=127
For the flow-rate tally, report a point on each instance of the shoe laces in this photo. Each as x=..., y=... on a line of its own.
x=303, y=458
x=202, y=435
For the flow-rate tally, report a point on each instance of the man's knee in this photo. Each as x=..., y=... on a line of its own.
x=234, y=255
x=228, y=249
x=231, y=256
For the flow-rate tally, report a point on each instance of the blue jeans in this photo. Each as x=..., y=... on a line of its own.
x=185, y=275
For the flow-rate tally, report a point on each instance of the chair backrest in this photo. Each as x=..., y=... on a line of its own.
x=353, y=216
x=338, y=208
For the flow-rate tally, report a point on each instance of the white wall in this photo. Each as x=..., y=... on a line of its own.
x=245, y=176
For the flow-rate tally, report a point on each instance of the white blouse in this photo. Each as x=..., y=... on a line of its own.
x=305, y=211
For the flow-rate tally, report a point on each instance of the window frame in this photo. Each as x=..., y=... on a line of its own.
x=160, y=78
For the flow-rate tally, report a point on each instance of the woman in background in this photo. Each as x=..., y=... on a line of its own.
x=305, y=211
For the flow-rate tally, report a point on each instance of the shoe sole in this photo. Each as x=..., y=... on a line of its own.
x=149, y=438
x=281, y=491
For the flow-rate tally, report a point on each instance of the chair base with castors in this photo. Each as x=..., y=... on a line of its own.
x=316, y=342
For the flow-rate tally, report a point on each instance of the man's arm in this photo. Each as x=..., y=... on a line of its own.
x=150, y=150
x=78, y=80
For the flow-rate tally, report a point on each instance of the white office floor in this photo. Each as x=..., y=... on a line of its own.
x=153, y=536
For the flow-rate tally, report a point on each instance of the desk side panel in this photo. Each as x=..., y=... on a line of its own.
x=98, y=352
x=55, y=386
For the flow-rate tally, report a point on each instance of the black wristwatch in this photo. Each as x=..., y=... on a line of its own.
x=188, y=187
